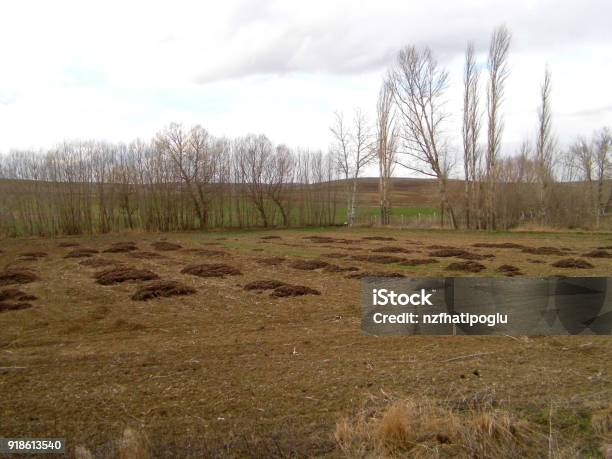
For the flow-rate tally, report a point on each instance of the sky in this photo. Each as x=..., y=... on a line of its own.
x=118, y=70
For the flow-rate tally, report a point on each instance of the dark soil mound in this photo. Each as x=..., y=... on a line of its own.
x=335, y=255
x=269, y=237
x=118, y=275
x=531, y=260
x=211, y=270
x=418, y=261
x=449, y=252
x=162, y=289
x=4, y=307
x=543, y=250
x=391, y=249
x=374, y=274
x=606, y=247
x=166, y=246
x=573, y=263
x=378, y=238
x=14, y=294
x=293, y=290
x=339, y=269
x=308, y=265
x=121, y=247
x=33, y=255
x=382, y=259
x=144, y=255
x=81, y=253
x=68, y=244
x=598, y=254
x=270, y=261
x=468, y=266
x=509, y=270
x=17, y=276
x=98, y=262
x=264, y=285
x=499, y=245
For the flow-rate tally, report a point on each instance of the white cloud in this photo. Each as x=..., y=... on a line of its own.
x=119, y=69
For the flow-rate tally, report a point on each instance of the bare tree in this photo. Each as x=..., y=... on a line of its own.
x=498, y=72
x=255, y=155
x=603, y=150
x=353, y=151
x=470, y=133
x=545, y=144
x=386, y=146
x=418, y=89
x=190, y=155
x=280, y=174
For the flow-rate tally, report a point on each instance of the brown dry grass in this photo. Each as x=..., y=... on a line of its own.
x=423, y=428
x=229, y=373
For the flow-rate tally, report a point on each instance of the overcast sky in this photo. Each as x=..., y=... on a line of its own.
x=118, y=70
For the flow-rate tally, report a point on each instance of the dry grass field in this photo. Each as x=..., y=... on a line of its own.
x=228, y=367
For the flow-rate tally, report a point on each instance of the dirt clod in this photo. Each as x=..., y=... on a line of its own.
x=509, y=270
x=543, y=251
x=264, y=285
x=68, y=244
x=17, y=276
x=573, y=263
x=308, y=265
x=448, y=252
x=162, y=288
x=378, y=238
x=335, y=255
x=270, y=261
x=4, y=307
x=391, y=249
x=468, y=266
x=293, y=290
x=121, y=247
x=598, y=254
x=269, y=237
x=14, y=294
x=118, y=275
x=375, y=274
x=81, y=253
x=418, y=261
x=166, y=246
x=211, y=270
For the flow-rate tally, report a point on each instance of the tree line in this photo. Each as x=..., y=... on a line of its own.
x=183, y=179
x=541, y=183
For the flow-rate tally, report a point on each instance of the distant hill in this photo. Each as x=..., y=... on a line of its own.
x=405, y=192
